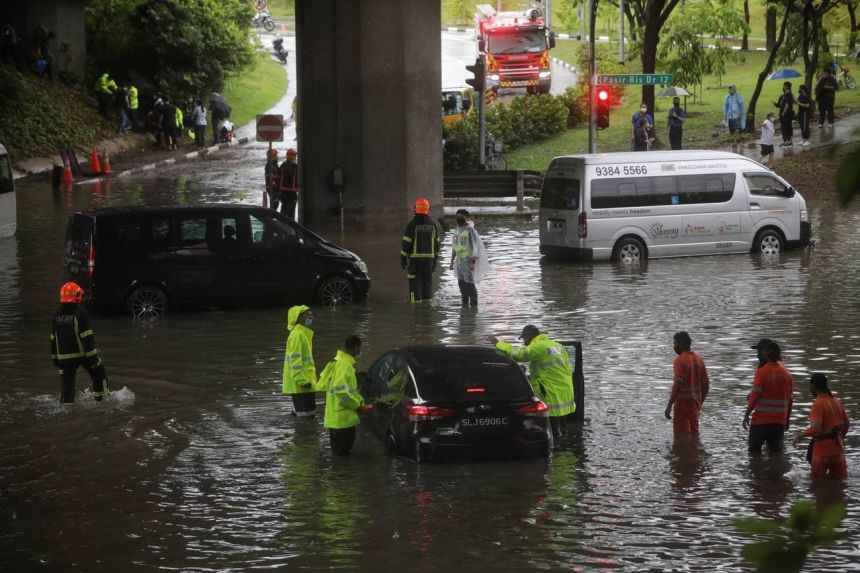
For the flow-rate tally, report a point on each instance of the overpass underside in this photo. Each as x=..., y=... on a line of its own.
x=368, y=109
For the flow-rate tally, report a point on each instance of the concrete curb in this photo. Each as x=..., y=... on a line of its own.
x=460, y=30
x=165, y=162
x=564, y=64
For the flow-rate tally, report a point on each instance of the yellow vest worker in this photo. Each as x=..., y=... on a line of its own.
x=550, y=372
x=300, y=374
x=342, y=399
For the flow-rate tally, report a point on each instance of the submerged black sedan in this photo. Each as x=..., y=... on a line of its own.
x=438, y=401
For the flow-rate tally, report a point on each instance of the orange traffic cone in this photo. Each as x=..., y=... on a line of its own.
x=67, y=170
x=94, y=162
x=106, y=166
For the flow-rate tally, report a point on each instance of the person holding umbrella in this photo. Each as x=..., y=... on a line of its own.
x=220, y=111
x=677, y=116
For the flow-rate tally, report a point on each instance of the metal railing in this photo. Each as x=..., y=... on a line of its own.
x=517, y=183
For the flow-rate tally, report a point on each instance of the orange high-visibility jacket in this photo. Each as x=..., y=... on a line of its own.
x=691, y=384
x=827, y=414
x=771, y=396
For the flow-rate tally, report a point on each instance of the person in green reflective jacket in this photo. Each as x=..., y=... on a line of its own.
x=300, y=373
x=342, y=399
x=550, y=371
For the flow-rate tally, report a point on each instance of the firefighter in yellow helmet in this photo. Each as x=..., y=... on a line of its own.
x=419, y=252
x=300, y=374
x=73, y=344
x=550, y=372
x=343, y=402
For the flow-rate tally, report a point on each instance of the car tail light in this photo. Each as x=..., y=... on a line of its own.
x=583, y=225
x=424, y=413
x=535, y=409
x=91, y=260
x=475, y=390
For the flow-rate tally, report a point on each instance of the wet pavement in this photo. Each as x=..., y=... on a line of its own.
x=195, y=465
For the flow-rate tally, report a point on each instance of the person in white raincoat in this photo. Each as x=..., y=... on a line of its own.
x=468, y=253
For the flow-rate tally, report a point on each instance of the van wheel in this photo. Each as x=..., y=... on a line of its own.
x=335, y=291
x=147, y=302
x=769, y=242
x=629, y=251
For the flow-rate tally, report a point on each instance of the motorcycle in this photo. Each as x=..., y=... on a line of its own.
x=280, y=52
x=262, y=19
x=843, y=78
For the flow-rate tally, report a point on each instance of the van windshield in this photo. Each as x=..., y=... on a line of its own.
x=560, y=193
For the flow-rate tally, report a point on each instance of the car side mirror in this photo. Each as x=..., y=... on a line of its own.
x=552, y=40
x=789, y=193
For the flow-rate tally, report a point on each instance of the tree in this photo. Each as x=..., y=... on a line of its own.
x=813, y=12
x=787, y=5
x=185, y=46
x=745, y=41
x=651, y=16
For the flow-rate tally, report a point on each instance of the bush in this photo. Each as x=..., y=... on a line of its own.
x=525, y=120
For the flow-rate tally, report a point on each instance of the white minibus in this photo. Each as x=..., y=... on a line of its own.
x=8, y=209
x=634, y=206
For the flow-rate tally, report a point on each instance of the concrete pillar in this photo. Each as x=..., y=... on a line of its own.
x=66, y=19
x=369, y=91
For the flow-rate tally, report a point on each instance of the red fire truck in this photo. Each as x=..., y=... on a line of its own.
x=516, y=45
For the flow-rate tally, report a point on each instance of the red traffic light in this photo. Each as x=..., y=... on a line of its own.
x=603, y=95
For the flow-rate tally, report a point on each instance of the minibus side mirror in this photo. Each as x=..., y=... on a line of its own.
x=789, y=193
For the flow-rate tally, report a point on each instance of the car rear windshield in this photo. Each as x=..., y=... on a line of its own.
x=78, y=233
x=470, y=379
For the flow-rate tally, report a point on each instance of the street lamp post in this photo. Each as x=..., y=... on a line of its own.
x=592, y=81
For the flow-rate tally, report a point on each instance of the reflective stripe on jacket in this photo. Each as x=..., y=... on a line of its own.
x=300, y=374
x=342, y=399
x=550, y=371
x=771, y=395
x=690, y=384
x=72, y=336
x=105, y=84
x=463, y=242
x=420, y=239
x=827, y=416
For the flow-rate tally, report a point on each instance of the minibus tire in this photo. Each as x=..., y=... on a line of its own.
x=769, y=242
x=147, y=302
x=335, y=291
x=625, y=250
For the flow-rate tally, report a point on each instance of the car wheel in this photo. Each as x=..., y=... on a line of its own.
x=147, y=302
x=769, y=242
x=629, y=251
x=335, y=291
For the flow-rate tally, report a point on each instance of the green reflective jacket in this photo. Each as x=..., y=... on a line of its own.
x=105, y=84
x=550, y=371
x=132, y=98
x=300, y=374
x=342, y=399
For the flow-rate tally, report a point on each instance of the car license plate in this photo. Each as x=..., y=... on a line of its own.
x=555, y=226
x=484, y=422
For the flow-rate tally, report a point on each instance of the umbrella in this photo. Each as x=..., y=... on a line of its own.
x=784, y=74
x=218, y=103
x=673, y=91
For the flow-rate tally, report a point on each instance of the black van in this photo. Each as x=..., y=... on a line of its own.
x=149, y=259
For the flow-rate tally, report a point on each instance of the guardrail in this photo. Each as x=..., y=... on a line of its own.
x=515, y=183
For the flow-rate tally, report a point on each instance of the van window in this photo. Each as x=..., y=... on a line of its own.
x=560, y=193
x=192, y=233
x=122, y=236
x=765, y=185
x=270, y=233
x=668, y=190
x=159, y=233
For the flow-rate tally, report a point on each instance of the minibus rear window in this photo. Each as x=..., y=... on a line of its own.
x=560, y=193
x=667, y=190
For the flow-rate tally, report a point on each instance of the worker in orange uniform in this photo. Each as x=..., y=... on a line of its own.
x=273, y=179
x=689, y=387
x=288, y=184
x=828, y=425
x=770, y=401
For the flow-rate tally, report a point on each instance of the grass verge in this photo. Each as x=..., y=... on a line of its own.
x=256, y=90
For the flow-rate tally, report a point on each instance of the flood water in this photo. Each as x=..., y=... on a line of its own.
x=195, y=465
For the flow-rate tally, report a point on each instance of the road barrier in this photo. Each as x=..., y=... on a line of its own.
x=515, y=183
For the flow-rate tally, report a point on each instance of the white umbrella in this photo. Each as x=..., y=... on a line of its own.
x=673, y=91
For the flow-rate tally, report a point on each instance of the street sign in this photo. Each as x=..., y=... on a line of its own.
x=270, y=128
x=634, y=79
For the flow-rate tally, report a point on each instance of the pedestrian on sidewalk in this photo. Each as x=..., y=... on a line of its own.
x=198, y=118
x=785, y=103
x=766, y=141
x=636, y=121
x=825, y=93
x=677, y=116
x=641, y=139
x=10, y=45
x=733, y=112
x=105, y=87
x=168, y=122
x=804, y=113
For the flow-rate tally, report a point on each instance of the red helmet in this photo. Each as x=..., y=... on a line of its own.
x=272, y=154
x=71, y=292
x=291, y=152
x=422, y=206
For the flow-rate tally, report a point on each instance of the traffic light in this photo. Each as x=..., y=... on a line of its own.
x=479, y=73
x=602, y=107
